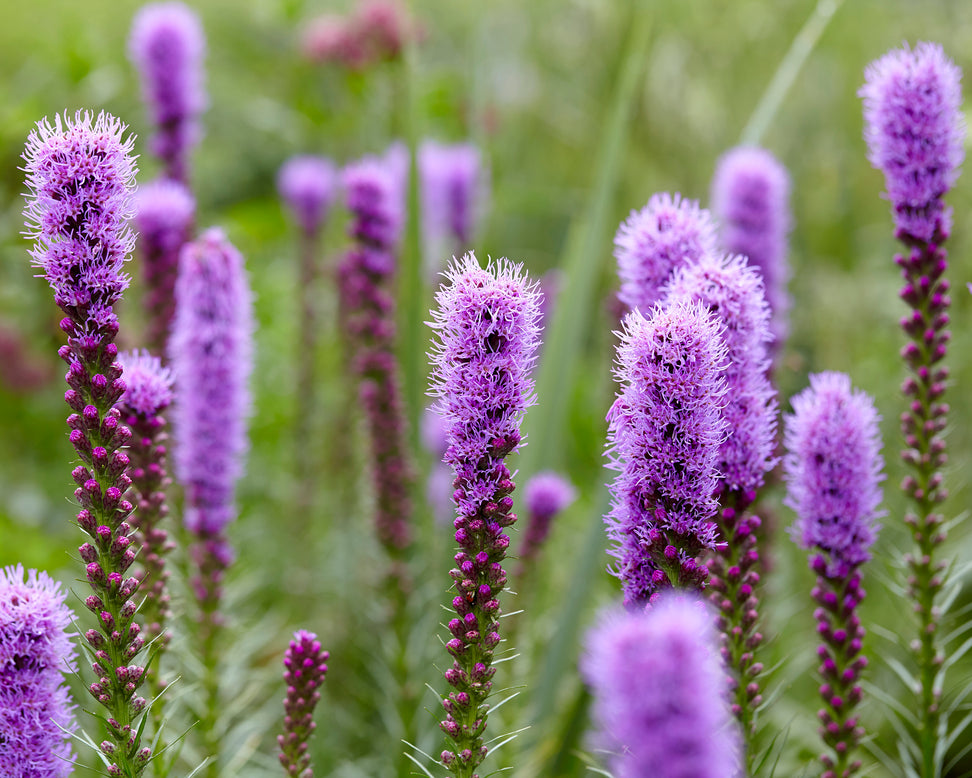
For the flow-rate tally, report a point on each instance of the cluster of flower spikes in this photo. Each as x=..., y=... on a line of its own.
x=304, y=669
x=733, y=290
x=36, y=715
x=165, y=211
x=167, y=47
x=664, y=433
x=80, y=173
x=833, y=470
x=657, y=682
x=914, y=130
x=375, y=191
x=750, y=198
x=148, y=393
x=486, y=321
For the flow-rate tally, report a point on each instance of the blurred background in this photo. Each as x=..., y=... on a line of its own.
x=532, y=84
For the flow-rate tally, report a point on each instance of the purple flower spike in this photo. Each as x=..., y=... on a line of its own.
x=914, y=132
x=80, y=175
x=453, y=193
x=167, y=47
x=486, y=323
x=656, y=680
x=665, y=234
x=545, y=495
x=165, y=211
x=750, y=197
x=374, y=194
x=304, y=669
x=307, y=185
x=833, y=468
x=664, y=434
x=36, y=715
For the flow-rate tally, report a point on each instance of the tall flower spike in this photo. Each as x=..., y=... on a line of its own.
x=80, y=173
x=656, y=680
x=833, y=468
x=664, y=434
x=304, y=669
x=36, y=715
x=211, y=353
x=734, y=292
x=148, y=393
x=165, y=211
x=486, y=323
x=167, y=47
x=750, y=198
x=914, y=131
x=665, y=234
x=375, y=193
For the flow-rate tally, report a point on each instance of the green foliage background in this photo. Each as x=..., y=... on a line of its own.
x=532, y=82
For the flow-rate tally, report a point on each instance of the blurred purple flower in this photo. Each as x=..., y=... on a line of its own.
x=308, y=184
x=545, y=495
x=658, y=684
x=453, y=193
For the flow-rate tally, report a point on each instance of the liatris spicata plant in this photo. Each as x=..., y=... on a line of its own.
x=833, y=468
x=657, y=684
x=750, y=199
x=914, y=132
x=148, y=393
x=667, y=233
x=733, y=290
x=80, y=173
x=36, y=715
x=664, y=434
x=167, y=47
x=304, y=669
x=486, y=323
x=545, y=495
x=307, y=185
x=453, y=191
x=164, y=216
x=211, y=352
x=375, y=198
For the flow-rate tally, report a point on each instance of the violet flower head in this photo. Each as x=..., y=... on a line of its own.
x=734, y=291
x=452, y=190
x=148, y=385
x=167, y=46
x=665, y=430
x=211, y=353
x=545, y=495
x=304, y=669
x=658, y=684
x=36, y=715
x=750, y=198
x=80, y=173
x=914, y=131
x=665, y=234
x=308, y=184
x=833, y=469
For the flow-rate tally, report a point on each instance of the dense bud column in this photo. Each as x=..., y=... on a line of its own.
x=304, y=669
x=486, y=322
x=733, y=290
x=833, y=468
x=914, y=131
x=664, y=432
x=80, y=173
x=656, y=680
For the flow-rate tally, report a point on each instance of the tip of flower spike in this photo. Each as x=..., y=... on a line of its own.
x=307, y=184
x=167, y=37
x=148, y=385
x=548, y=493
x=164, y=207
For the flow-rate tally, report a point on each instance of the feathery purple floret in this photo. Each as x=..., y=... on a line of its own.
x=36, y=714
x=308, y=184
x=750, y=198
x=833, y=469
x=665, y=234
x=452, y=194
x=914, y=131
x=167, y=47
x=80, y=174
x=664, y=434
x=211, y=352
x=304, y=669
x=164, y=215
x=657, y=684
x=733, y=290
